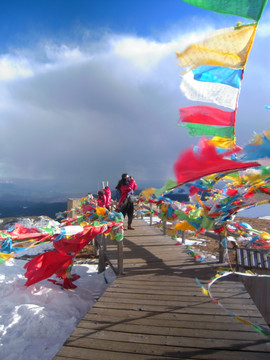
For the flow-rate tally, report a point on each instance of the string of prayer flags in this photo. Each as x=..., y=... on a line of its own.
x=209, y=121
x=216, y=84
x=250, y=9
x=259, y=328
x=228, y=47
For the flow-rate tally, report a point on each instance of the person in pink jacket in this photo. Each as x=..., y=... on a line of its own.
x=126, y=187
x=108, y=197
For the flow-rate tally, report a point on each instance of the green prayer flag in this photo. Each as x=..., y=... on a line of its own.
x=167, y=186
x=209, y=130
x=119, y=237
x=251, y=9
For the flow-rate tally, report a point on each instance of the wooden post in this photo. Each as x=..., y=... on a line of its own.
x=183, y=237
x=94, y=243
x=120, y=246
x=151, y=216
x=221, y=249
x=101, y=259
x=164, y=223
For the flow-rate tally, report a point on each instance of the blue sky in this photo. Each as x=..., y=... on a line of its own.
x=27, y=21
x=90, y=89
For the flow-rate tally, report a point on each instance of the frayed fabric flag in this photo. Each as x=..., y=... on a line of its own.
x=222, y=143
x=228, y=47
x=191, y=166
x=207, y=120
x=250, y=9
x=213, y=84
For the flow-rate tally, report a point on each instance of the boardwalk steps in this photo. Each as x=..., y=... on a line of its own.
x=157, y=311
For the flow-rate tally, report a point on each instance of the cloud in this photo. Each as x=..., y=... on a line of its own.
x=86, y=113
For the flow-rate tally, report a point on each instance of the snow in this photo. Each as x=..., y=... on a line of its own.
x=35, y=321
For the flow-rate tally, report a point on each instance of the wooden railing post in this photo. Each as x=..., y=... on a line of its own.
x=221, y=249
x=183, y=237
x=95, y=247
x=120, y=258
x=101, y=259
x=151, y=216
x=164, y=224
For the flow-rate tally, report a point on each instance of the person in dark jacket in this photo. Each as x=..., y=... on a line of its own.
x=126, y=187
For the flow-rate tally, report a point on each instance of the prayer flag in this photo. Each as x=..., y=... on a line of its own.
x=73, y=244
x=251, y=9
x=45, y=265
x=228, y=47
x=207, y=115
x=222, y=143
x=210, y=130
x=191, y=166
x=219, y=85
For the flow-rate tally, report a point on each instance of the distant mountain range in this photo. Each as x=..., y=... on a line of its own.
x=27, y=208
x=180, y=194
x=32, y=198
x=42, y=197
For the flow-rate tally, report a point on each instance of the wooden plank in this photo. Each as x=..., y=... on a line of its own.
x=172, y=316
x=110, y=350
x=220, y=323
x=183, y=341
x=179, y=331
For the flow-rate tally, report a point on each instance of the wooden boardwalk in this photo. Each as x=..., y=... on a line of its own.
x=157, y=311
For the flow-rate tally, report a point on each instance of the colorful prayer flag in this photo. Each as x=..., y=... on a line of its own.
x=228, y=47
x=219, y=85
x=191, y=166
x=251, y=9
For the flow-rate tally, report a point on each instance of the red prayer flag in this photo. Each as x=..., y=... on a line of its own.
x=45, y=265
x=207, y=115
x=73, y=244
x=191, y=166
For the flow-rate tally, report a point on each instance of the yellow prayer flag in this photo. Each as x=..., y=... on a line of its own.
x=101, y=211
x=205, y=291
x=228, y=47
x=183, y=226
x=243, y=320
x=5, y=256
x=148, y=192
x=267, y=133
x=222, y=143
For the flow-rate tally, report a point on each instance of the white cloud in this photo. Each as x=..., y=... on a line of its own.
x=14, y=67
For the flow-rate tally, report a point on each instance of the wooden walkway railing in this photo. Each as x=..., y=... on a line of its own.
x=157, y=311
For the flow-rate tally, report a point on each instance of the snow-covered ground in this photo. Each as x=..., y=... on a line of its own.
x=35, y=321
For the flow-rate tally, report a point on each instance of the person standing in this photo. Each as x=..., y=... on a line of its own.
x=126, y=187
x=101, y=199
x=108, y=197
